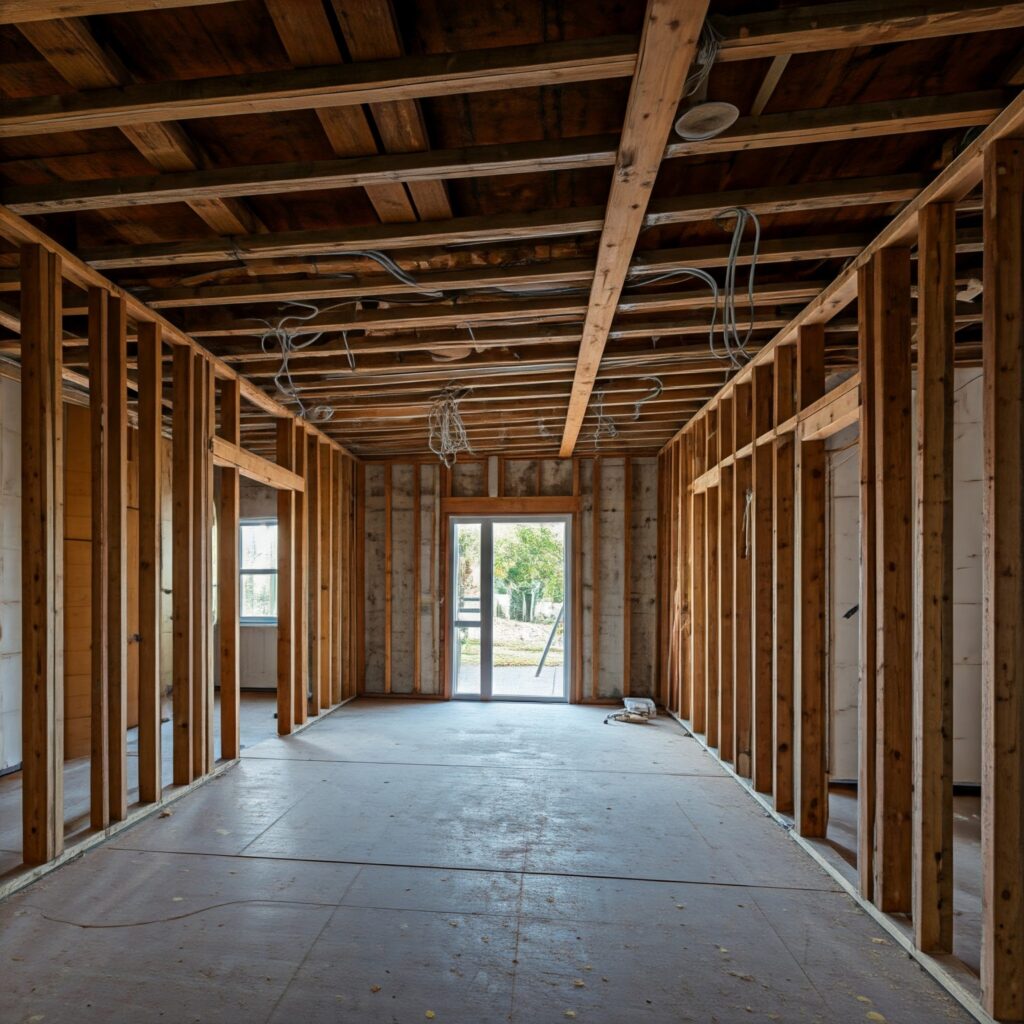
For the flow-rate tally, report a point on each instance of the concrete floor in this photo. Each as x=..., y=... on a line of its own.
x=256, y=722
x=514, y=681
x=470, y=863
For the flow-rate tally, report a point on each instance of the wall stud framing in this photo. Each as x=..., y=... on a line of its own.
x=228, y=576
x=288, y=638
x=741, y=617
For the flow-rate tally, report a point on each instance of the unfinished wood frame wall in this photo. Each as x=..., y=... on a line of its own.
x=46, y=270
x=905, y=728
x=405, y=507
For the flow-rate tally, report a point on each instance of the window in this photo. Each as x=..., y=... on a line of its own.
x=258, y=562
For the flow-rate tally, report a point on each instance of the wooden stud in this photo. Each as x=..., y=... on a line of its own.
x=183, y=494
x=117, y=555
x=595, y=577
x=300, y=596
x=783, y=637
x=42, y=543
x=711, y=695
x=228, y=578
x=360, y=579
x=200, y=569
x=810, y=769
x=683, y=632
x=759, y=538
x=933, y=574
x=741, y=615
x=151, y=451
x=417, y=558
x=288, y=639
x=326, y=548
x=576, y=694
x=313, y=566
x=893, y=582
x=698, y=594
x=866, y=711
x=209, y=432
x=1002, y=784
x=388, y=583
x=627, y=571
x=721, y=552
x=99, y=725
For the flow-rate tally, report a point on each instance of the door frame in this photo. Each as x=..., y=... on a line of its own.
x=487, y=522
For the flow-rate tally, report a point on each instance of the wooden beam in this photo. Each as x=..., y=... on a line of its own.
x=335, y=581
x=151, y=452
x=228, y=579
x=595, y=581
x=821, y=195
x=1002, y=829
x=759, y=540
x=842, y=26
x=183, y=493
x=769, y=83
x=198, y=606
x=868, y=629
x=784, y=620
x=326, y=549
x=69, y=46
x=99, y=409
x=417, y=560
x=231, y=455
x=16, y=11
x=810, y=779
x=42, y=548
x=893, y=582
x=117, y=556
x=386, y=81
x=933, y=579
x=313, y=569
x=667, y=48
x=287, y=639
x=696, y=542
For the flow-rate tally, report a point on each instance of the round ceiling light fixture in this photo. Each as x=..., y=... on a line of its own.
x=706, y=120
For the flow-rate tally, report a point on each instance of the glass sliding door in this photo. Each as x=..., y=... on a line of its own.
x=511, y=614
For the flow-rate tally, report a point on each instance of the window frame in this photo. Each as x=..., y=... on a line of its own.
x=253, y=620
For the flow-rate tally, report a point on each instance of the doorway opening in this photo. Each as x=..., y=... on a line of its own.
x=511, y=623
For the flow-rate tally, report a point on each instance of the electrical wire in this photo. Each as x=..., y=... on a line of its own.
x=447, y=434
x=707, y=52
x=605, y=427
x=656, y=389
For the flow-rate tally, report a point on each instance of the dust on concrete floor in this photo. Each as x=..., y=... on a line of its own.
x=476, y=862
x=256, y=722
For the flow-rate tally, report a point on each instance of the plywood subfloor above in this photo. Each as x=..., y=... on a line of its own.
x=488, y=862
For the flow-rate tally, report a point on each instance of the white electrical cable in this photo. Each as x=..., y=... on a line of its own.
x=707, y=52
x=605, y=424
x=447, y=434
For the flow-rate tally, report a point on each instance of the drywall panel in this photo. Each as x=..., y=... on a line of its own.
x=643, y=576
x=373, y=567
x=403, y=598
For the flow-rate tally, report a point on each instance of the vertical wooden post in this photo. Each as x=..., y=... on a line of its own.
x=200, y=567
x=577, y=583
x=208, y=688
x=893, y=582
x=227, y=576
x=683, y=632
x=335, y=594
x=666, y=469
x=417, y=558
x=300, y=595
x=713, y=582
x=388, y=584
x=99, y=724
x=117, y=553
x=760, y=540
x=42, y=549
x=719, y=511
x=1002, y=784
x=595, y=570
x=866, y=711
x=783, y=637
x=698, y=596
x=313, y=563
x=360, y=586
x=810, y=775
x=182, y=486
x=742, y=664
x=287, y=637
x=627, y=570
x=933, y=574
x=326, y=682
x=150, y=384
